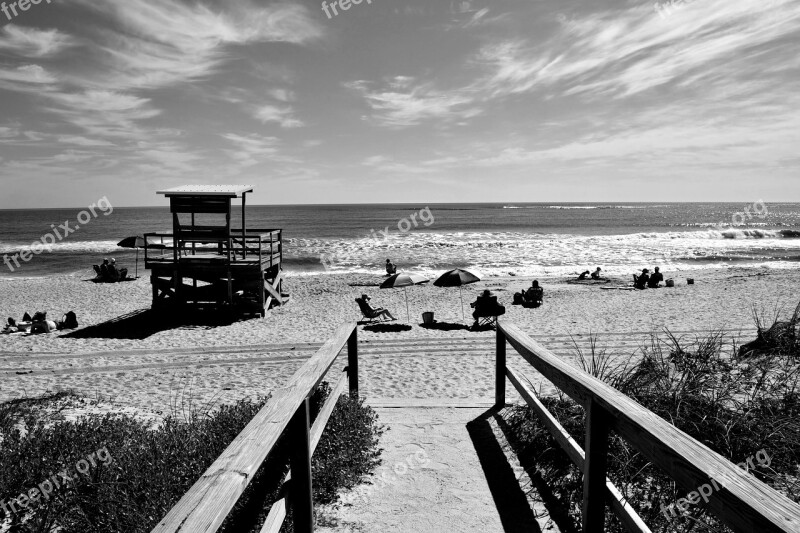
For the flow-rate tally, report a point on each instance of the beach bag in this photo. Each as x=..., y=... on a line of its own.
x=69, y=321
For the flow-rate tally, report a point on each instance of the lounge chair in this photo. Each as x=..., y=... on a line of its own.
x=371, y=314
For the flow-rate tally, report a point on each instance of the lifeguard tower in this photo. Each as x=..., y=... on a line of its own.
x=205, y=262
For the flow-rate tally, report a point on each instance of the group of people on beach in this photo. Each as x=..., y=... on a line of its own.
x=594, y=275
x=647, y=281
x=107, y=272
x=38, y=323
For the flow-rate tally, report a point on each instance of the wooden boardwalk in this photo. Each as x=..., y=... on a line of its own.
x=396, y=370
x=447, y=465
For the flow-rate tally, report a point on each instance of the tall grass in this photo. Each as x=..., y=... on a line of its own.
x=736, y=406
x=152, y=468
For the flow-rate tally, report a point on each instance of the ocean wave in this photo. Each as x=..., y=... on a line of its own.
x=727, y=233
x=579, y=206
x=67, y=246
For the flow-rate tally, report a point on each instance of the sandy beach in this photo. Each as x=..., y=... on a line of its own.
x=155, y=368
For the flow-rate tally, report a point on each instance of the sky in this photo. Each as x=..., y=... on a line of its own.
x=396, y=101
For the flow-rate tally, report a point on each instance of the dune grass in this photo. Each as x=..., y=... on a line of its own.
x=737, y=406
x=151, y=468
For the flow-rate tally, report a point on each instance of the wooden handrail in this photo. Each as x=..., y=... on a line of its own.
x=209, y=501
x=742, y=502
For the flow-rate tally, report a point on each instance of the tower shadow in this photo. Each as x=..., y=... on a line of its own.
x=141, y=324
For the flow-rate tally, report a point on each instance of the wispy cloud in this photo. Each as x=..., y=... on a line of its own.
x=401, y=101
x=281, y=115
x=33, y=42
x=162, y=42
x=254, y=149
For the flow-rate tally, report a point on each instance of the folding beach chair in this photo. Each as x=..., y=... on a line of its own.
x=487, y=311
x=371, y=314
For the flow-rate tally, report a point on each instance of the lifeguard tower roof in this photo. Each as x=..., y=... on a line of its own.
x=230, y=191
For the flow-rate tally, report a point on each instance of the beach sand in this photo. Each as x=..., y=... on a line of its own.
x=159, y=369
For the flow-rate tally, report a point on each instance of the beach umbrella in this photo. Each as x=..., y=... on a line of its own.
x=133, y=242
x=458, y=277
x=396, y=281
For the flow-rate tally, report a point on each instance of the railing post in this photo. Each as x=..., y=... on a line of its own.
x=594, y=470
x=500, y=377
x=352, y=362
x=301, y=496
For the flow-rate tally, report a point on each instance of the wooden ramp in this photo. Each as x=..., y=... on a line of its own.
x=443, y=470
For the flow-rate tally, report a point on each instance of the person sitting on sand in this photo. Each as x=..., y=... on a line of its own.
x=655, y=279
x=372, y=312
x=103, y=273
x=640, y=282
x=534, y=295
x=11, y=326
x=390, y=268
x=596, y=274
x=113, y=273
x=583, y=275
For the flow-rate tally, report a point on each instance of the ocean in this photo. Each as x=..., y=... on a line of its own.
x=546, y=239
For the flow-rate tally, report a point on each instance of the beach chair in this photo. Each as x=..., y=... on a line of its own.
x=371, y=314
x=486, y=311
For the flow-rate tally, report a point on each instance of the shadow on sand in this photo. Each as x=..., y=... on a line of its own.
x=143, y=323
x=510, y=498
x=386, y=328
x=444, y=326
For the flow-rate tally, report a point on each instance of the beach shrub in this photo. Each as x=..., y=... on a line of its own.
x=737, y=407
x=127, y=474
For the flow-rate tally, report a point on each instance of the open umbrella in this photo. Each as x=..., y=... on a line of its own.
x=403, y=280
x=133, y=242
x=458, y=277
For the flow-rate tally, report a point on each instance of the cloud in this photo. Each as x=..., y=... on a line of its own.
x=254, y=149
x=388, y=164
x=620, y=53
x=404, y=102
x=281, y=115
x=82, y=141
x=33, y=42
x=162, y=42
x=25, y=78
